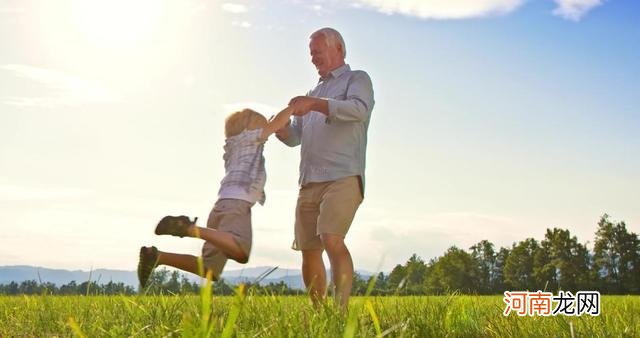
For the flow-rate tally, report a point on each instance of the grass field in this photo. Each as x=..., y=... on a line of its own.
x=282, y=316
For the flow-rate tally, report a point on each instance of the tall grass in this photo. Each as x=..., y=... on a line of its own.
x=250, y=315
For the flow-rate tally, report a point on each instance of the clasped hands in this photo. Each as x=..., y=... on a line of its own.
x=304, y=104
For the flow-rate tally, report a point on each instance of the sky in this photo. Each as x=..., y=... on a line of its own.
x=494, y=119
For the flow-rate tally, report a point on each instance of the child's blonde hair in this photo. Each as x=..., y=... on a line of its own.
x=235, y=123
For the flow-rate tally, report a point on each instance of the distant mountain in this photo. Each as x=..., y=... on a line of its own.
x=20, y=273
x=257, y=271
x=277, y=274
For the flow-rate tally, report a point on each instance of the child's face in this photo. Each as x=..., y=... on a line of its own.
x=257, y=121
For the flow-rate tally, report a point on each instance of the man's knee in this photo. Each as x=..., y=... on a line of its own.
x=333, y=243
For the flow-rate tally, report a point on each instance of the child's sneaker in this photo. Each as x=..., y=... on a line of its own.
x=146, y=264
x=174, y=225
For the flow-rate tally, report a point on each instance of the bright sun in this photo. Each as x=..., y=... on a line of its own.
x=117, y=22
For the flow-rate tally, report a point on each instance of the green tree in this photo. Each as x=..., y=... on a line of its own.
x=616, y=258
x=173, y=284
x=382, y=284
x=397, y=277
x=408, y=278
x=70, y=288
x=359, y=284
x=562, y=262
x=518, y=269
x=485, y=258
x=499, y=285
x=456, y=270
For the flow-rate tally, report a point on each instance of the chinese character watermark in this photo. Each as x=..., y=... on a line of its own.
x=539, y=303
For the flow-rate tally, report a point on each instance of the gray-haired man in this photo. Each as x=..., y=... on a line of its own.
x=331, y=125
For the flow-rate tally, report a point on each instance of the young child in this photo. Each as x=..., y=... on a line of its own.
x=228, y=231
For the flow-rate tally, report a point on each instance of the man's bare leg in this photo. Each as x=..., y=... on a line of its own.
x=222, y=240
x=314, y=275
x=341, y=267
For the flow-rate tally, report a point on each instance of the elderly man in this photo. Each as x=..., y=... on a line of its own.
x=331, y=125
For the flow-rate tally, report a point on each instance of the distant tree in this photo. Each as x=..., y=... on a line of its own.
x=382, y=285
x=518, y=269
x=616, y=258
x=359, y=284
x=499, y=285
x=280, y=288
x=173, y=284
x=10, y=289
x=456, y=270
x=416, y=273
x=70, y=288
x=485, y=259
x=409, y=278
x=397, y=278
x=29, y=287
x=222, y=288
x=48, y=288
x=90, y=288
x=562, y=262
x=120, y=288
x=187, y=287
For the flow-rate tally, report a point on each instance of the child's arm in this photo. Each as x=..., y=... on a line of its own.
x=277, y=122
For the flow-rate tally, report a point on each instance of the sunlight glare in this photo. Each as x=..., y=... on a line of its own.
x=117, y=22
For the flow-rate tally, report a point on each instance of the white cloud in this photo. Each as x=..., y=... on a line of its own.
x=575, y=9
x=395, y=237
x=243, y=24
x=234, y=8
x=196, y=9
x=442, y=9
x=321, y=10
x=64, y=89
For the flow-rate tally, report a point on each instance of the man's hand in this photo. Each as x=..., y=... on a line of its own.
x=304, y=104
x=282, y=133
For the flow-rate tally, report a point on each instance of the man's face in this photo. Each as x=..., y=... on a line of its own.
x=325, y=58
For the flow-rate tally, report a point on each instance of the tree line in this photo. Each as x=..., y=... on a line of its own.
x=557, y=262
x=161, y=281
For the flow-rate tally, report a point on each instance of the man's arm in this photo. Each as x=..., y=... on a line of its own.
x=357, y=105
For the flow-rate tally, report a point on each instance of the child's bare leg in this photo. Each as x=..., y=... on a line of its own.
x=187, y=263
x=222, y=240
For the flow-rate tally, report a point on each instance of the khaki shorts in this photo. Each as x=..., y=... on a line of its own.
x=232, y=216
x=325, y=208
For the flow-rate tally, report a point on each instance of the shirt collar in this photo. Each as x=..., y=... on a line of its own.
x=336, y=72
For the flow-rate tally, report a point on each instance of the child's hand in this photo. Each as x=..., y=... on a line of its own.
x=282, y=133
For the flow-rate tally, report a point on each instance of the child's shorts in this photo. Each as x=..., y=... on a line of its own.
x=232, y=216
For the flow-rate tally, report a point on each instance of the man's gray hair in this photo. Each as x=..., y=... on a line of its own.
x=332, y=37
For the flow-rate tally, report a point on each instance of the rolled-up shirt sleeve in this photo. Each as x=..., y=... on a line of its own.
x=295, y=132
x=358, y=103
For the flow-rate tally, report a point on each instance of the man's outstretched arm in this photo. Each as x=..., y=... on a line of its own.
x=357, y=105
